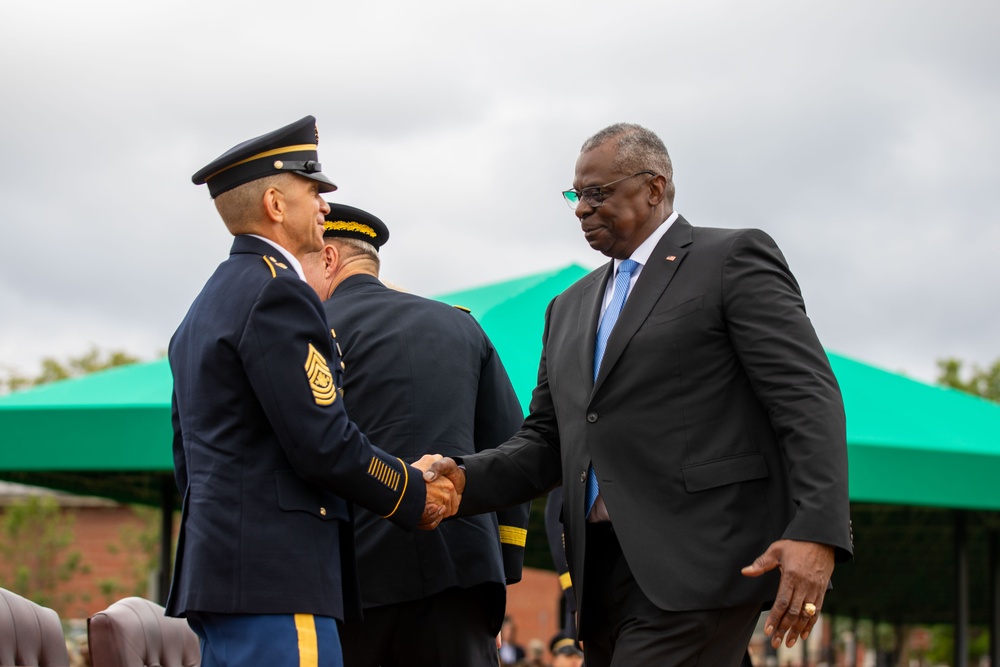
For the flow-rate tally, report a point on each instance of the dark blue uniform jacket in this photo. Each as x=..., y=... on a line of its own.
x=422, y=377
x=265, y=456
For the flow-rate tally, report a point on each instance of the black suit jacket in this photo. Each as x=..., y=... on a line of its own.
x=264, y=454
x=423, y=377
x=716, y=425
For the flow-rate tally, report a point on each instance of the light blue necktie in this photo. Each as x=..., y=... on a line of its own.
x=622, y=279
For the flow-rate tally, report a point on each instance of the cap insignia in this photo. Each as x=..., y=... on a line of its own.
x=320, y=377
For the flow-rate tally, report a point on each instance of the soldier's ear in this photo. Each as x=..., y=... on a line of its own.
x=330, y=259
x=273, y=202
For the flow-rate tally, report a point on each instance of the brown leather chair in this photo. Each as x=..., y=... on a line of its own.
x=134, y=633
x=30, y=634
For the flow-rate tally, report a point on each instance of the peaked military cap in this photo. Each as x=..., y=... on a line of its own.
x=563, y=644
x=291, y=148
x=353, y=223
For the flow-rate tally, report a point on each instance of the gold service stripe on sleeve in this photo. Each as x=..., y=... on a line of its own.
x=513, y=535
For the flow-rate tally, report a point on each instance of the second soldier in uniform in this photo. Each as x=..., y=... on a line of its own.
x=420, y=376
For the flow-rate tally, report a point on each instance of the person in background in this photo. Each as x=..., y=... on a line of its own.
x=535, y=654
x=557, y=548
x=510, y=651
x=565, y=651
x=419, y=374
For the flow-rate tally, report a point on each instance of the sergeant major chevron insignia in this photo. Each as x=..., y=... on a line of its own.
x=320, y=378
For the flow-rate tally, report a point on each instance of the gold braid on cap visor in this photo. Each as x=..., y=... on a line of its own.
x=258, y=156
x=344, y=226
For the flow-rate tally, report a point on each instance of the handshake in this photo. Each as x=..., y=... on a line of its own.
x=445, y=485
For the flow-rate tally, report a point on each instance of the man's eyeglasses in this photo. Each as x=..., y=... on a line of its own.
x=594, y=196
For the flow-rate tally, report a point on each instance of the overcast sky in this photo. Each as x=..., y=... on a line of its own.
x=863, y=136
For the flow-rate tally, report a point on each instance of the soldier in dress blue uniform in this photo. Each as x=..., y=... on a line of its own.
x=419, y=374
x=265, y=456
x=556, y=534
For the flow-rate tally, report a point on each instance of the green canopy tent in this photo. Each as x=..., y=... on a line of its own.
x=109, y=433
x=512, y=313
x=917, y=453
x=105, y=434
x=925, y=502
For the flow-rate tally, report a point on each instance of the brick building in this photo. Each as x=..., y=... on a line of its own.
x=114, y=546
x=117, y=548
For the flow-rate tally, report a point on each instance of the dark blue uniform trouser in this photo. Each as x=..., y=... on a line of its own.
x=267, y=640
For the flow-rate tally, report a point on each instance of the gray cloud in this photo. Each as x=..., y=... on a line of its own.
x=861, y=136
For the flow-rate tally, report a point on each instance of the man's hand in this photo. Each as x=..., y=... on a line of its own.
x=805, y=574
x=445, y=469
x=442, y=499
x=442, y=466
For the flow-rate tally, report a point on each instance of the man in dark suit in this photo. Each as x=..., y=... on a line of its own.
x=419, y=374
x=708, y=413
x=264, y=454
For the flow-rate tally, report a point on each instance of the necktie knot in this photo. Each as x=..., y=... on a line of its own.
x=628, y=267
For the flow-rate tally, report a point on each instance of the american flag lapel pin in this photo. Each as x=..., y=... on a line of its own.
x=671, y=258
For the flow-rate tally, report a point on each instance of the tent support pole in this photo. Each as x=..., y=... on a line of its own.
x=994, y=587
x=961, y=591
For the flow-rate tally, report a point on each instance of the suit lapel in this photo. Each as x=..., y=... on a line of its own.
x=653, y=280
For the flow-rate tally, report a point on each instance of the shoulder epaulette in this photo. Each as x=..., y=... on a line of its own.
x=273, y=263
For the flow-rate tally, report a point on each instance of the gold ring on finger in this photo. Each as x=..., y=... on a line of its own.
x=809, y=609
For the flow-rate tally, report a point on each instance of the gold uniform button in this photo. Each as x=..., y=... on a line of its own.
x=322, y=511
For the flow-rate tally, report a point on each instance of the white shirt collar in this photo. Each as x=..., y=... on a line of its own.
x=640, y=255
x=296, y=264
x=645, y=249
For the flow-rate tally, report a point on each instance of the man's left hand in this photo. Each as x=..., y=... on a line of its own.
x=805, y=574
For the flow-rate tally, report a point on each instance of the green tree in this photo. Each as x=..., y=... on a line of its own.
x=52, y=369
x=35, y=533
x=35, y=536
x=142, y=545
x=984, y=382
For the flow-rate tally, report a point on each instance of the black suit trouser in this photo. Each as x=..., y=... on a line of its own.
x=625, y=629
x=453, y=628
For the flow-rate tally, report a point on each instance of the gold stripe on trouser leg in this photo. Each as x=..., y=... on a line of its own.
x=305, y=626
